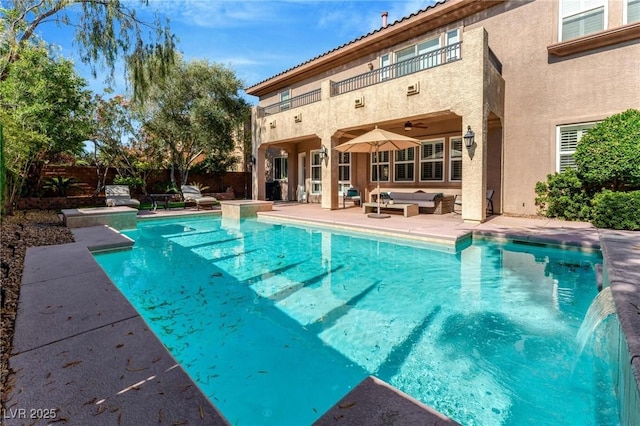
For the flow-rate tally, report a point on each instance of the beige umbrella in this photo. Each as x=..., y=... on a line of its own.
x=377, y=140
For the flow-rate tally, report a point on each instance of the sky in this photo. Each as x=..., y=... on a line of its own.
x=257, y=39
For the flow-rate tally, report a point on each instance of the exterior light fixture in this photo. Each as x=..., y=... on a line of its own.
x=469, y=138
x=253, y=160
x=323, y=151
x=408, y=126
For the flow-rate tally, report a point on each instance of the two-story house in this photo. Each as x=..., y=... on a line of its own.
x=526, y=77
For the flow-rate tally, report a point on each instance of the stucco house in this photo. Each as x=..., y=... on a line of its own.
x=526, y=77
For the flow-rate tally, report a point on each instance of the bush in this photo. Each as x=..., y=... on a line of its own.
x=133, y=182
x=617, y=210
x=609, y=154
x=563, y=196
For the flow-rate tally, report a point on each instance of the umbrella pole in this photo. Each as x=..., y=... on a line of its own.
x=378, y=177
x=378, y=215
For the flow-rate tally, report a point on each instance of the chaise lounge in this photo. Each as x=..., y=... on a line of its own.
x=118, y=195
x=192, y=193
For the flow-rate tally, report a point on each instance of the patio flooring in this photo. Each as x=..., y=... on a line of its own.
x=90, y=356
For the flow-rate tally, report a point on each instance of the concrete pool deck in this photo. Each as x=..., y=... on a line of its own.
x=90, y=356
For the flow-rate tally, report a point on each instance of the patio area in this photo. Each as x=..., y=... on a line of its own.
x=98, y=362
x=448, y=229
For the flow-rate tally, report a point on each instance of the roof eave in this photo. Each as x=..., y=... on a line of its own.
x=404, y=29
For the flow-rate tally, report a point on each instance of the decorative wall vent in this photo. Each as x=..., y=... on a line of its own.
x=272, y=124
x=297, y=118
x=359, y=102
x=413, y=89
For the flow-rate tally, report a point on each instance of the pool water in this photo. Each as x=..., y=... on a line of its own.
x=276, y=323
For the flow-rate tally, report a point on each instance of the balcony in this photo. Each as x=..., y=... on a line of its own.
x=416, y=64
x=295, y=102
x=419, y=63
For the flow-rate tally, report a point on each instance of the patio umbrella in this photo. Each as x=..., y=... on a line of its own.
x=377, y=140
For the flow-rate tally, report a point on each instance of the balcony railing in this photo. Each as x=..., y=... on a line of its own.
x=295, y=102
x=419, y=63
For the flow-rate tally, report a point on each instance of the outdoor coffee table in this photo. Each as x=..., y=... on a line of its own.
x=407, y=209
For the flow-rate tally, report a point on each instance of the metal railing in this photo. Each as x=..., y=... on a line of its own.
x=419, y=63
x=295, y=102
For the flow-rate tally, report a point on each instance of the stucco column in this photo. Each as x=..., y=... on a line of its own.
x=474, y=162
x=475, y=116
x=259, y=173
x=329, y=172
x=257, y=165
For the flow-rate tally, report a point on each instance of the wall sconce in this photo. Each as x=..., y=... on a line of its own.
x=370, y=65
x=469, y=138
x=323, y=151
x=408, y=126
x=253, y=160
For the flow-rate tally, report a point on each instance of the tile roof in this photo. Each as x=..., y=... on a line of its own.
x=434, y=5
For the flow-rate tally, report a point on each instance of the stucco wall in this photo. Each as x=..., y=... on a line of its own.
x=536, y=92
x=543, y=91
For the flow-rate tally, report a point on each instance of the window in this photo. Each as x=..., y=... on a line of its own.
x=432, y=160
x=344, y=172
x=427, y=61
x=280, y=168
x=405, y=55
x=632, y=12
x=424, y=48
x=455, y=159
x=383, y=166
x=568, y=138
x=453, y=49
x=316, y=172
x=581, y=17
x=385, y=61
x=284, y=100
x=404, y=165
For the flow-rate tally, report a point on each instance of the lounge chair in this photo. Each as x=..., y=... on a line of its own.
x=118, y=195
x=351, y=194
x=192, y=193
x=457, y=202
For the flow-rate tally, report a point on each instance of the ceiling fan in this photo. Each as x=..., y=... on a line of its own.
x=408, y=126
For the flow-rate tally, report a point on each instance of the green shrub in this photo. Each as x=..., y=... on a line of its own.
x=59, y=185
x=133, y=182
x=617, y=210
x=563, y=196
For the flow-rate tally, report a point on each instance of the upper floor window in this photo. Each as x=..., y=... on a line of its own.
x=404, y=165
x=380, y=167
x=280, y=165
x=432, y=160
x=568, y=138
x=581, y=17
x=284, y=100
x=385, y=61
x=453, y=48
x=632, y=12
x=420, y=49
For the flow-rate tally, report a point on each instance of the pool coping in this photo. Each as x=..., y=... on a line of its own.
x=167, y=396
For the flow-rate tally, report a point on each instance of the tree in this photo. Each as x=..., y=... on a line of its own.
x=195, y=113
x=608, y=156
x=105, y=32
x=45, y=109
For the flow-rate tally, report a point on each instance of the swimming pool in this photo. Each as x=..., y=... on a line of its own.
x=276, y=323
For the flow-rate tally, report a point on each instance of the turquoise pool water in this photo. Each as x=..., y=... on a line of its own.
x=276, y=323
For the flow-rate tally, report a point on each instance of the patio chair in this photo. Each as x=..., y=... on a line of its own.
x=351, y=194
x=457, y=202
x=118, y=195
x=192, y=193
